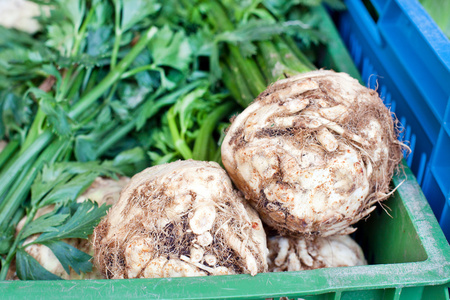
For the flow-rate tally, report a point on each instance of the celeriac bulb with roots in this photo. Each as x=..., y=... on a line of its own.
x=313, y=153
x=180, y=219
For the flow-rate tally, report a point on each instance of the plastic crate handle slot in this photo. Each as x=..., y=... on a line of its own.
x=357, y=8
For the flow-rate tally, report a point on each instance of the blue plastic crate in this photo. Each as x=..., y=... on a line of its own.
x=405, y=56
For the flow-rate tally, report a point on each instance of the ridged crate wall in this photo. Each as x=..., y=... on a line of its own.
x=402, y=53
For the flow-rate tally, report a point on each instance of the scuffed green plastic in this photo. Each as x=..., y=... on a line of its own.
x=408, y=254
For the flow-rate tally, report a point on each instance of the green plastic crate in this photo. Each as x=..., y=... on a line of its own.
x=408, y=254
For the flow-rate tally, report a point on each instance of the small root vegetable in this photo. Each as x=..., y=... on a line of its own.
x=313, y=153
x=180, y=219
x=21, y=15
x=296, y=254
x=101, y=191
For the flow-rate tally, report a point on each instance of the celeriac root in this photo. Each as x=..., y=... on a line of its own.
x=312, y=152
x=296, y=254
x=180, y=219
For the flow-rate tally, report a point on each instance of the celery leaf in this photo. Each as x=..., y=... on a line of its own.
x=45, y=223
x=70, y=256
x=28, y=268
x=80, y=225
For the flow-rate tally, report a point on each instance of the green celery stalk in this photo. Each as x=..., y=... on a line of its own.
x=238, y=82
x=35, y=131
x=212, y=149
x=299, y=54
x=89, y=81
x=49, y=155
x=201, y=147
x=272, y=61
x=8, y=152
x=229, y=81
x=76, y=84
x=26, y=157
x=290, y=58
x=180, y=144
x=7, y=232
x=277, y=60
x=118, y=33
x=14, y=187
x=249, y=69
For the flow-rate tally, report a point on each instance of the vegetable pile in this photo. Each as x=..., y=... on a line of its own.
x=110, y=88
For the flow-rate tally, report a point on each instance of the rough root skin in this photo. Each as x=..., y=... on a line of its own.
x=313, y=153
x=180, y=219
x=296, y=254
